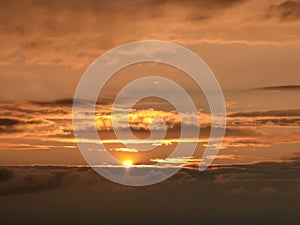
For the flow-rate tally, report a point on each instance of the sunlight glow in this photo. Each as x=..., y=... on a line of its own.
x=127, y=164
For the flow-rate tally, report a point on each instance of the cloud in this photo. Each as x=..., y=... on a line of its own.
x=13, y=125
x=49, y=33
x=6, y=174
x=240, y=190
x=268, y=113
x=58, y=102
x=48, y=125
x=205, y=9
x=286, y=11
x=268, y=190
x=278, y=88
x=256, y=178
x=124, y=149
x=8, y=125
x=293, y=157
x=9, y=122
x=182, y=199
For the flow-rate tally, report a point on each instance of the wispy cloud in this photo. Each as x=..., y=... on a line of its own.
x=48, y=126
x=278, y=88
x=286, y=11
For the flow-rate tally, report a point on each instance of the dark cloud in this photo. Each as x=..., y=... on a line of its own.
x=285, y=11
x=59, y=17
x=8, y=125
x=9, y=122
x=28, y=110
x=68, y=102
x=280, y=122
x=58, y=102
x=268, y=113
x=206, y=5
x=207, y=9
x=16, y=180
x=9, y=130
x=278, y=88
x=5, y=174
x=12, y=125
x=294, y=157
x=236, y=194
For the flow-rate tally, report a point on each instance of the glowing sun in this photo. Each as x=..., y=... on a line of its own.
x=127, y=164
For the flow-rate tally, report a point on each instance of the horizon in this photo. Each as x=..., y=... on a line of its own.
x=113, y=112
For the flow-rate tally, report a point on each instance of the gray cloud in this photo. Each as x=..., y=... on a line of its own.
x=17, y=180
x=185, y=198
x=268, y=113
x=9, y=122
x=205, y=9
x=8, y=125
x=58, y=102
x=6, y=174
x=286, y=11
x=280, y=122
x=12, y=125
x=278, y=88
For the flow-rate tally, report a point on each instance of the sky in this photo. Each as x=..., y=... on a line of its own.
x=47, y=46
x=253, y=49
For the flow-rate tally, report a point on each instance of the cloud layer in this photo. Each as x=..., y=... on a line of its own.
x=187, y=197
x=50, y=34
x=48, y=126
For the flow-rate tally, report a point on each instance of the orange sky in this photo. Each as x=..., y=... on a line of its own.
x=250, y=45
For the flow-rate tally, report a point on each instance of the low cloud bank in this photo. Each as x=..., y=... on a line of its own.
x=263, y=193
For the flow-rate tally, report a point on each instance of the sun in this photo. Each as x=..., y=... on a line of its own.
x=127, y=163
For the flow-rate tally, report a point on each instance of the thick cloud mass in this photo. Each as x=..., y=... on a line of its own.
x=264, y=193
x=286, y=11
